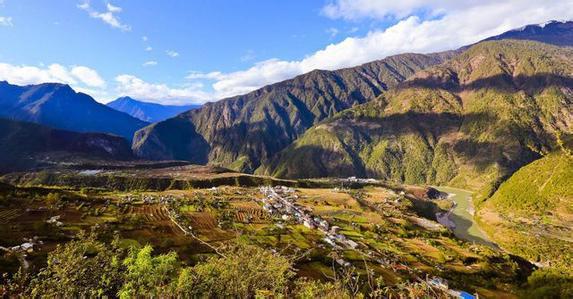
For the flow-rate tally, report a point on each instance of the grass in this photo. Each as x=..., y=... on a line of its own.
x=531, y=214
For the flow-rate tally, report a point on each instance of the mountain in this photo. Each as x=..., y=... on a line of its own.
x=246, y=131
x=469, y=122
x=531, y=214
x=59, y=106
x=558, y=33
x=148, y=112
x=26, y=145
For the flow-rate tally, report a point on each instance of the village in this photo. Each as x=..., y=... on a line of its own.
x=280, y=201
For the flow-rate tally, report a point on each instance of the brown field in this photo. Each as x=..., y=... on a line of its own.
x=202, y=220
x=151, y=213
x=252, y=215
x=7, y=215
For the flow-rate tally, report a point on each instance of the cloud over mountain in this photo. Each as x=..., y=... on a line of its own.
x=451, y=24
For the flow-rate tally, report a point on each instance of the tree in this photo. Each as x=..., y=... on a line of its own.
x=148, y=275
x=80, y=268
x=244, y=271
x=305, y=288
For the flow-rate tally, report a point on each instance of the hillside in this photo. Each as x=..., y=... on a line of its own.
x=531, y=214
x=469, y=122
x=245, y=131
x=27, y=145
x=59, y=106
x=148, y=112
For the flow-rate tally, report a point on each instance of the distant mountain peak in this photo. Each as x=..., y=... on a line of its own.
x=146, y=111
x=59, y=106
x=556, y=32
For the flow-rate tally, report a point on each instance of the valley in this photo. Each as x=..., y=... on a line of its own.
x=462, y=217
x=392, y=240
x=416, y=175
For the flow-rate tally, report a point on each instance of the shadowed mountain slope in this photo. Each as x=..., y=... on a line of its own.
x=469, y=122
x=25, y=145
x=245, y=131
x=59, y=106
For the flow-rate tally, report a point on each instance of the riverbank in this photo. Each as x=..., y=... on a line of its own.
x=460, y=218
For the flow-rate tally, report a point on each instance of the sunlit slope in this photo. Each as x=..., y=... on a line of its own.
x=531, y=214
x=246, y=131
x=469, y=123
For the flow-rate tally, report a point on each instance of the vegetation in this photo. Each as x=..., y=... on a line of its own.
x=549, y=283
x=448, y=124
x=245, y=132
x=531, y=212
x=396, y=248
x=90, y=268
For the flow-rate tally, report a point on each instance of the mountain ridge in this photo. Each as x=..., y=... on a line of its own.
x=243, y=131
x=146, y=111
x=447, y=124
x=59, y=106
x=559, y=33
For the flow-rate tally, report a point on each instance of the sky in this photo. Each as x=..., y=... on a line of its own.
x=197, y=51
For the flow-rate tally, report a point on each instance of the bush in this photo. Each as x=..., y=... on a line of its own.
x=83, y=268
x=549, y=283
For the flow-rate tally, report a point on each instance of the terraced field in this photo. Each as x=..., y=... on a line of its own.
x=7, y=215
x=385, y=226
x=252, y=215
x=202, y=220
x=151, y=213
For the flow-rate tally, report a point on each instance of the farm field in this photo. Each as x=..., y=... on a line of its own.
x=392, y=237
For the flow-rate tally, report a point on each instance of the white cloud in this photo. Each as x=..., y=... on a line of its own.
x=148, y=48
x=107, y=16
x=171, y=53
x=135, y=87
x=378, y=9
x=144, y=38
x=248, y=56
x=150, y=63
x=88, y=76
x=199, y=75
x=79, y=77
x=333, y=32
x=455, y=24
x=6, y=21
x=113, y=9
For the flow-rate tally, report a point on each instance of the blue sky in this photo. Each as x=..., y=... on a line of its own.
x=222, y=48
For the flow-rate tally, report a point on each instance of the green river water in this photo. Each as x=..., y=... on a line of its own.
x=466, y=227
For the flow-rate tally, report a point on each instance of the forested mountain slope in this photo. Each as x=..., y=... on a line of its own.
x=246, y=131
x=26, y=145
x=531, y=214
x=470, y=122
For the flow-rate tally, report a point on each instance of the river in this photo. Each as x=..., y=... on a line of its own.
x=462, y=216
